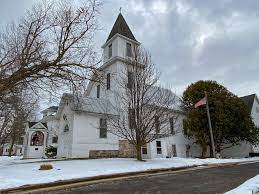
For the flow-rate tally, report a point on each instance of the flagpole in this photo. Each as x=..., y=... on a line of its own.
x=210, y=128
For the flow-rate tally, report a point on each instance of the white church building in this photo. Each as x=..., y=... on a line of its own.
x=79, y=123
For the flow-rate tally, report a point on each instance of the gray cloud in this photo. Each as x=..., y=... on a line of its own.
x=189, y=39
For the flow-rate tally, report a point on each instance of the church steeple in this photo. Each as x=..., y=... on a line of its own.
x=121, y=27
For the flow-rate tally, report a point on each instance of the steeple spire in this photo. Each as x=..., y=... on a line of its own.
x=121, y=27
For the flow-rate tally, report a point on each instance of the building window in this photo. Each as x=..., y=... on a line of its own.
x=36, y=148
x=108, y=81
x=65, y=117
x=110, y=50
x=103, y=128
x=98, y=91
x=171, y=121
x=128, y=50
x=144, y=149
x=66, y=128
x=37, y=138
x=158, y=147
x=55, y=139
x=188, y=147
x=131, y=118
x=174, y=150
x=157, y=124
x=130, y=79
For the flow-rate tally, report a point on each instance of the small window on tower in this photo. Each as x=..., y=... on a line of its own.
x=98, y=91
x=110, y=50
x=108, y=81
x=128, y=50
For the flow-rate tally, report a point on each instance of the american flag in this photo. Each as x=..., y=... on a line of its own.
x=202, y=101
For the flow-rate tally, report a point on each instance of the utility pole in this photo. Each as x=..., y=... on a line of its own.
x=210, y=128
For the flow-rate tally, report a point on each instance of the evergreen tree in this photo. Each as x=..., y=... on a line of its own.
x=230, y=117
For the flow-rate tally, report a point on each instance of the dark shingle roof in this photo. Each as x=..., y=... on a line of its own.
x=249, y=100
x=121, y=27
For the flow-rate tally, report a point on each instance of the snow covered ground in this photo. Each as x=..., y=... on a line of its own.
x=15, y=172
x=251, y=186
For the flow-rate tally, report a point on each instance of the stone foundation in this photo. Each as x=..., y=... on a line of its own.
x=103, y=153
x=126, y=150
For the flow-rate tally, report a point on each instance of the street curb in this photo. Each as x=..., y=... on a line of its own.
x=30, y=187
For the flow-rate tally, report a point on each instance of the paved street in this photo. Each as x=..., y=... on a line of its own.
x=212, y=180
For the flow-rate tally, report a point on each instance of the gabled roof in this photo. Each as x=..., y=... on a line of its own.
x=249, y=100
x=121, y=27
x=31, y=124
x=88, y=104
x=51, y=108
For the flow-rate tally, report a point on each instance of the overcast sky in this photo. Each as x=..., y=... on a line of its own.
x=189, y=40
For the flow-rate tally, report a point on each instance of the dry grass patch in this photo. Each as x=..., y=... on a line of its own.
x=46, y=167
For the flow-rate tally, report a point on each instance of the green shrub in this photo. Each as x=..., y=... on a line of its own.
x=51, y=152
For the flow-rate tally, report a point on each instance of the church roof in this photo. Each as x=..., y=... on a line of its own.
x=94, y=105
x=31, y=124
x=89, y=104
x=121, y=27
x=249, y=101
x=51, y=108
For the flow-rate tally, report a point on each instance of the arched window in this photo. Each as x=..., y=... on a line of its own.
x=37, y=138
x=66, y=128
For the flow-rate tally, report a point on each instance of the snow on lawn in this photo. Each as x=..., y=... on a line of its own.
x=249, y=187
x=15, y=172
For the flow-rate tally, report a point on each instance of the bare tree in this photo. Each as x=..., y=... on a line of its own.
x=144, y=109
x=15, y=110
x=50, y=46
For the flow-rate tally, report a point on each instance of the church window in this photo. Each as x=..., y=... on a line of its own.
x=128, y=50
x=37, y=138
x=157, y=124
x=171, y=122
x=110, y=50
x=55, y=139
x=98, y=91
x=65, y=117
x=66, y=128
x=103, y=128
x=130, y=79
x=108, y=81
x=158, y=147
x=131, y=117
x=144, y=149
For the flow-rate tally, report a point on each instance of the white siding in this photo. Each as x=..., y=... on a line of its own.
x=86, y=136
